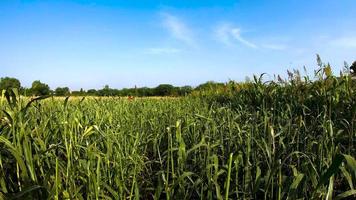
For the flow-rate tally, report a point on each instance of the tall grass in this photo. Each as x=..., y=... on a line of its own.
x=277, y=140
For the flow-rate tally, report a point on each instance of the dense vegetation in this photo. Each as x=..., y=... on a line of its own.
x=285, y=139
x=38, y=88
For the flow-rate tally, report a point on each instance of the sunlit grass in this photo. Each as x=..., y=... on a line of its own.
x=260, y=141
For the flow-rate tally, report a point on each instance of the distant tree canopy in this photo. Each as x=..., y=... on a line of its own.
x=107, y=91
x=38, y=88
x=161, y=90
x=81, y=92
x=92, y=92
x=62, y=91
x=9, y=83
x=164, y=90
x=210, y=85
x=185, y=90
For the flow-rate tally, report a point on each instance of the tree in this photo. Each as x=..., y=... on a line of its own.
x=144, y=92
x=9, y=83
x=185, y=90
x=39, y=89
x=107, y=91
x=62, y=91
x=209, y=86
x=92, y=92
x=164, y=90
x=80, y=92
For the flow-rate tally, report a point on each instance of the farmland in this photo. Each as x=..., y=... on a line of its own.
x=257, y=140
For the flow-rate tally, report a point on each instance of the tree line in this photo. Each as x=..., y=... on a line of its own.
x=39, y=88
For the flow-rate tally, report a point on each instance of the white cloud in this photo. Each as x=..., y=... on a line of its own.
x=228, y=35
x=178, y=29
x=236, y=33
x=346, y=42
x=223, y=34
x=158, y=51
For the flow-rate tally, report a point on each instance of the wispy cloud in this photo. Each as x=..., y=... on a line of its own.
x=159, y=51
x=223, y=34
x=345, y=42
x=236, y=33
x=178, y=29
x=228, y=34
x=231, y=35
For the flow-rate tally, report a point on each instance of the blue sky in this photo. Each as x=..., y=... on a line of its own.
x=87, y=44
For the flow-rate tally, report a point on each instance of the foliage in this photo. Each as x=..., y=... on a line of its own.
x=81, y=92
x=92, y=92
x=285, y=139
x=164, y=90
x=62, y=91
x=7, y=83
x=185, y=90
x=39, y=89
x=209, y=86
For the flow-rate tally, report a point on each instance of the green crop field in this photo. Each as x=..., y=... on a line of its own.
x=258, y=140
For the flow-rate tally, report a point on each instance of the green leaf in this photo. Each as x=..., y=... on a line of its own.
x=333, y=169
x=345, y=194
x=26, y=191
x=351, y=162
x=66, y=102
x=16, y=154
x=297, y=181
x=33, y=100
x=329, y=194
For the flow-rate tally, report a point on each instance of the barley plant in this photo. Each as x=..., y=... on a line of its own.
x=286, y=139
